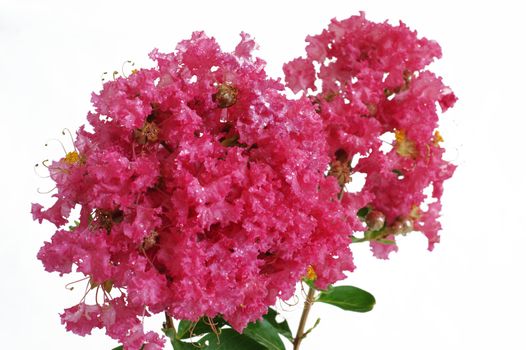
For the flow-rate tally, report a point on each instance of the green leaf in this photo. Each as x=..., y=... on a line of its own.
x=120, y=347
x=260, y=335
x=181, y=345
x=169, y=332
x=178, y=344
x=282, y=327
x=311, y=328
x=348, y=298
x=189, y=329
x=229, y=339
x=265, y=334
x=184, y=328
x=203, y=326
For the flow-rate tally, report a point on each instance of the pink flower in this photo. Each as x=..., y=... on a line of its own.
x=82, y=318
x=300, y=75
x=374, y=83
x=202, y=192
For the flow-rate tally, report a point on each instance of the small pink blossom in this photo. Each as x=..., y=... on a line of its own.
x=82, y=318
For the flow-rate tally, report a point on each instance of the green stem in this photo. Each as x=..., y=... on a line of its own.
x=359, y=240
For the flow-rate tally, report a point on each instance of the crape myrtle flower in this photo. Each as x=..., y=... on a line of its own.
x=369, y=81
x=202, y=191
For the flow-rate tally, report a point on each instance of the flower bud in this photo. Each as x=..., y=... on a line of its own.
x=375, y=220
x=226, y=95
x=402, y=225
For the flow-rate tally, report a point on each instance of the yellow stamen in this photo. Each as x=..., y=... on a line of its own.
x=71, y=158
x=437, y=138
x=311, y=274
x=404, y=146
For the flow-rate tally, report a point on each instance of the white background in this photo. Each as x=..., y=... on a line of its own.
x=468, y=294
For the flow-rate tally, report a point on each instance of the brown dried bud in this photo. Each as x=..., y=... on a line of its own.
x=226, y=95
x=342, y=172
x=330, y=96
x=105, y=218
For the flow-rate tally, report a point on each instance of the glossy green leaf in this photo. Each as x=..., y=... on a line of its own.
x=229, y=339
x=265, y=334
x=120, y=347
x=189, y=329
x=348, y=298
x=178, y=344
x=169, y=332
x=183, y=329
x=282, y=327
x=181, y=345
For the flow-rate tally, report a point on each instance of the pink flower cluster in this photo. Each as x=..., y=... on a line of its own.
x=201, y=191
x=204, y=191
x=369, y=84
